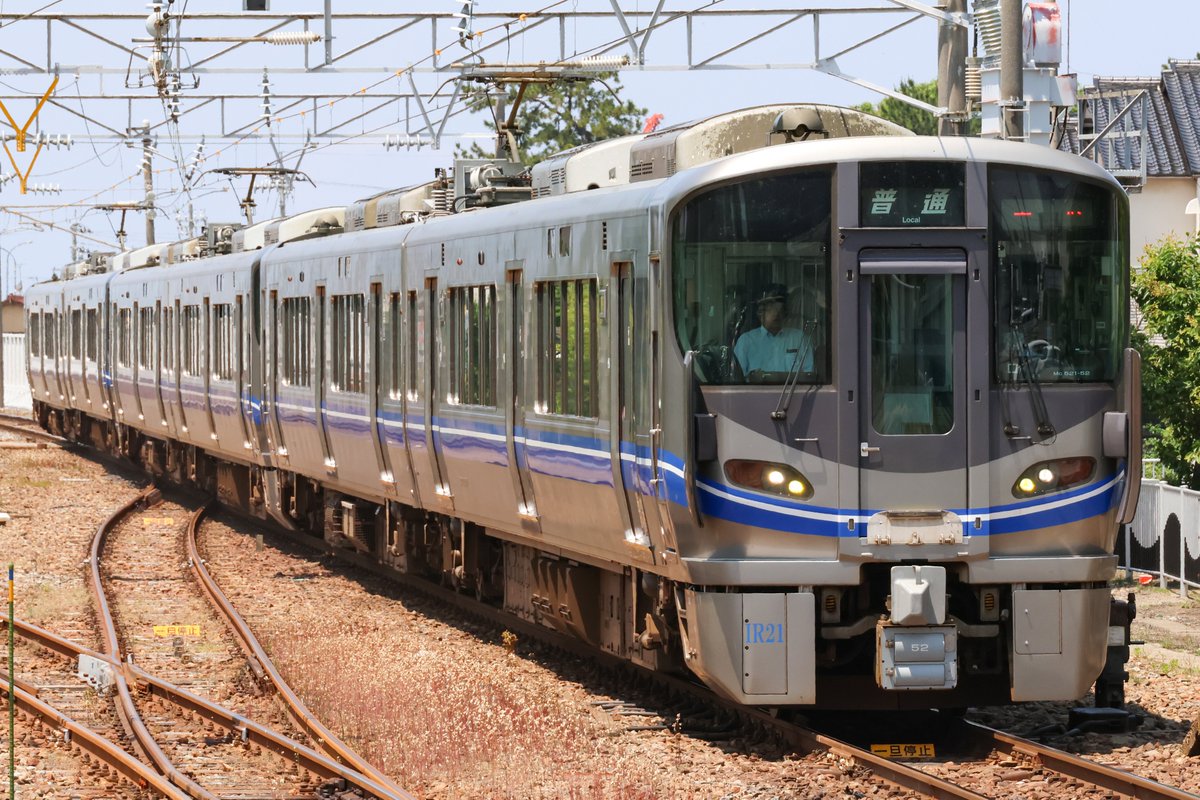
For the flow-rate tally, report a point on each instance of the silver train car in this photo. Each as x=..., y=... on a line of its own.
x=821, y=412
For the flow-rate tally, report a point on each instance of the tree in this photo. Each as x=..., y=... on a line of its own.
x=1167, y=288
x=901, y=113
x=559, y=116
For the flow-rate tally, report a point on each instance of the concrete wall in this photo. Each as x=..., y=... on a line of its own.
x=1158, y=210
x=16, y=382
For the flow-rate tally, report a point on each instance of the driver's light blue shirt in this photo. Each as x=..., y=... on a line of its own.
x=760, y=349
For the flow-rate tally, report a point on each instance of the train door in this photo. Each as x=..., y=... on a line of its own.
x=433, y=360
x=634, y=421
x=160, y=360
x=626, y=471
x=513, y=354
x=913, y=376
x=140, y=347
x=178, y=349
x=321, y=337
x=375, y=375
x=270, y=398
x=250, y=338
x=206, y=364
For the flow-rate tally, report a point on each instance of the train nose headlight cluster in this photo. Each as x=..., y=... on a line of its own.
x=764, y=476
x=1053, y=476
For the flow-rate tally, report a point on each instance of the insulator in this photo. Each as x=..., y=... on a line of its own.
x=973, y=82
x=604, y=62
x=987, y=21
x=405, y=141
x=441, y=200
x=292, y=37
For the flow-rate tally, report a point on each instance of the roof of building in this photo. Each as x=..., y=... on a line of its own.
x=1172, y=124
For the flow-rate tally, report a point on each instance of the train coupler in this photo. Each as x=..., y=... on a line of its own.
x=916, y=649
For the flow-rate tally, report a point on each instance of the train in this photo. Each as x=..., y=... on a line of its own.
x=789, y=400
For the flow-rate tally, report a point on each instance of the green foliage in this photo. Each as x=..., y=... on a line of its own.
x=901, y=113
x=1167, y=288
x=919, y=122
x=559, y=116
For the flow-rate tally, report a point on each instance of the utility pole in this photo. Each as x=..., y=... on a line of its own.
x=2, y=403
x=148, y=179
x=1012, y=71
x=952, y=72
x=328, y=32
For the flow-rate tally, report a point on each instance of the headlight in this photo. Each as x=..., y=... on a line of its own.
x=763, y=476
x=1053, y=476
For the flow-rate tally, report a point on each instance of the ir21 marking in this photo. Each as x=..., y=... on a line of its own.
x=764, y=633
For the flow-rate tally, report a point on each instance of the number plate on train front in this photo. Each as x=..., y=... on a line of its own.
x=903, y=751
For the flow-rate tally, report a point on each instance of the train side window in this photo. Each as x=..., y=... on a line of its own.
x=564, y=240
x=35, y=333
x=168, y=340
x=224, y=342
x=297, y=347
x=472, y=324
x=349, y=332
x=396, y=327
x=146, y=338
x=413, y=376
x=92, y=337
x=567, y=330
x=125, y=338
x=76, y=334
x=189, y=341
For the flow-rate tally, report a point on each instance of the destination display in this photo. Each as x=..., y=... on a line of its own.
x=901, y=194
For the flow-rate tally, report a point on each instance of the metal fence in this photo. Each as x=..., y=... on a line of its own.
x=1164, y=538
x=16, y=382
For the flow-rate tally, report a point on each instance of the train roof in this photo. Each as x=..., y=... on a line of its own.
x=615, y=177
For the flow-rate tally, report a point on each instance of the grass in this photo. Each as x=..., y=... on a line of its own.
x=46, y=601
x=1170, y=667
x=442, y=729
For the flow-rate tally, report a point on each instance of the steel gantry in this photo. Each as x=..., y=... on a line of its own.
x=417, y=55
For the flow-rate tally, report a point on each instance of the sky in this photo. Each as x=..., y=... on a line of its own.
x=1104, y=37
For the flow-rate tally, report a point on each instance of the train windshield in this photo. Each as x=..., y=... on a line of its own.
x=1058, y=265
x=750, y=267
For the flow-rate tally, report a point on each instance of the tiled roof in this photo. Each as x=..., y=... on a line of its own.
x=1107, y=98
x=1173, y=144
x=1182, y=82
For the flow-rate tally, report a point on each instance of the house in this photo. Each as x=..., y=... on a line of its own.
x=12, y=314
x=1124, y=118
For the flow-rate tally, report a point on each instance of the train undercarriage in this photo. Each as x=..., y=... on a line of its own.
x=620, y=609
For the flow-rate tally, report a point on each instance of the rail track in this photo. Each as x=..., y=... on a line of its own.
x=674, y=693
x=27, y=428
x=341, y=764
x=1069, y=765
x=263, y=668
x=202, y=765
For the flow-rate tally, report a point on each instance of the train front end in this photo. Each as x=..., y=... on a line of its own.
x=910, y=424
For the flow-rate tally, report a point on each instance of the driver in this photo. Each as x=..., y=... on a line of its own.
x=771, y=347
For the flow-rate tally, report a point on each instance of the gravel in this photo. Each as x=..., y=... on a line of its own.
x=449, y=709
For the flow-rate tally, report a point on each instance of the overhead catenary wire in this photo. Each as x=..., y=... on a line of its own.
x=179, y=162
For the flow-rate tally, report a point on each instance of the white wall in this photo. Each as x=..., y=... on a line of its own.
x=16, y=382
x=1159, y=210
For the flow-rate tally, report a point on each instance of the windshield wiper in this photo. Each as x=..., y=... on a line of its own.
x=1025, y=369
x=793, y=376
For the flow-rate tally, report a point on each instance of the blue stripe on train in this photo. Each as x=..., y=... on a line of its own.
x=586, y=459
